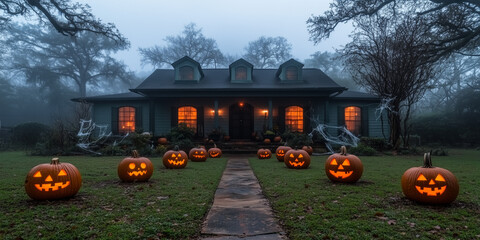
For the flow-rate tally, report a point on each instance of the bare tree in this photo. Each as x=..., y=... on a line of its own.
x=388, y=57
x=455, y=24
x=66, y=17
x=268, y=52
x=47, y=58
x=191, y=43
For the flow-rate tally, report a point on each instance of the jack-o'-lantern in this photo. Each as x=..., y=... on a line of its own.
x=297, y=159
x=280, y=152
x=308, y=149
x=214, y=152
x=53, y=181
x=428, y=184
x=343, y=167
x=175, y=158
x=198, y=154
x=135, y=168
x=263, y=153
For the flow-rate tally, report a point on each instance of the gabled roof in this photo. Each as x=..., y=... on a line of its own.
x=188, y=59
x=289, y=63
x=355, y=95
x=131, y=96
x=240, y=62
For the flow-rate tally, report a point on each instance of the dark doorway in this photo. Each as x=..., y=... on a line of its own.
x=241, y=121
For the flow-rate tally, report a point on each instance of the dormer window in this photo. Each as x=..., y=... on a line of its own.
x=186, y=73
x=291, y=73
x=241, y=73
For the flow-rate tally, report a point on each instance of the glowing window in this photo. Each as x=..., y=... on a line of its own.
x=186, y=73
x=188, y=116
x=292, y=73
x=126, y=119
x=294, y=118
x=241, y=73
x=353, y=117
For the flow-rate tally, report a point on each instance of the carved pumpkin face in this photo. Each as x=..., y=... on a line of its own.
x=280, y=152
x=53, y=181
x=198, y=154
x=429, y=184
x=175, y=158
x=214, y=152
x=135, y=168
x=297, y=159
x=343, y=167
x=263, y=153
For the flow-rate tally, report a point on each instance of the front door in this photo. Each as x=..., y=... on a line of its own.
x=241, y=121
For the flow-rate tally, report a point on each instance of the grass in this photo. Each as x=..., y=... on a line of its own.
x=309, y=206
x=171, y=205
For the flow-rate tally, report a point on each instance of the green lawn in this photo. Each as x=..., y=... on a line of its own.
x=309, y=206
x=171, y=205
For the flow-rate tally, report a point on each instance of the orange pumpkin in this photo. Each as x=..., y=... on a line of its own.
x=162, y=141
x=308, y=149
x=263, y=153
x=343, y=167
x=214, y=152
x=280, y=152
x=135, y=168
x=53, y=181
x=428, y=184
x=198, y=154
x=175, y=158
x=297, y=159
x=277, y=139
x=267, y=141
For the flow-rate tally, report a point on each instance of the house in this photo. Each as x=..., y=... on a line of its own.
x=239, y=100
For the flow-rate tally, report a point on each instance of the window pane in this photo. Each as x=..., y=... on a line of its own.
x=126, y=119
x=294, y=118
x=186, y=73
x=353, y=119
x=292, y=73
x=188, y=115
x=241, y=73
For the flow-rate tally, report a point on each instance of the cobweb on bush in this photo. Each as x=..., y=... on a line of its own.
x=335, y=136
x=86, y=138
x=385, y=105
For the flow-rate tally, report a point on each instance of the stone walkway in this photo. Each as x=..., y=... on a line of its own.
x=239, y=210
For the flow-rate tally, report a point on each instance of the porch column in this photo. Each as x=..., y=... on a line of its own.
x=215, y=118
x=270, y=114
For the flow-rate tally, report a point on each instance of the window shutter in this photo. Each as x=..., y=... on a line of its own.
x=200, y=121
x=174, y=117
x=281, y=119
x=138, y=119
x=114, y=119
x=364, y=127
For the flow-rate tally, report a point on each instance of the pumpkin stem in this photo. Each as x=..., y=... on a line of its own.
x=55, y=161
x=135, y=154
x=176, y=148
x=427, y=160
x=214, y=145
x=343, y=150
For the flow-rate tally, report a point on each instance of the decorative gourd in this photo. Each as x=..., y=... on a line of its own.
x=53, y=181
x=308, y=149
x=428, y=184
x=280, y=152
x=263, y=153
x=175, y=158
x=198, y=154
x=214, y=152
x=135, y=168
x=297, y=159
x=343, y=167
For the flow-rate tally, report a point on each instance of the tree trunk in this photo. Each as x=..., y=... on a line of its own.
x=395, y=127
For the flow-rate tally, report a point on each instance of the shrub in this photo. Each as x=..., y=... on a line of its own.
x=27, y=135
x=378, y=144
x=362, y=150
x=181, y=136
x=296, y=139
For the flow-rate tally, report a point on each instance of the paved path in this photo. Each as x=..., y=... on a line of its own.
x=239, y=210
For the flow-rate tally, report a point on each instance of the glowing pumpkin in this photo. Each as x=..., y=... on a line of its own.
x=280, y=152
x=343, y=167
x=135, y=168
x=428, y=184
x=297, y=159
x=53, y=181
x=175, y=158
x=263, y=153
x=198, y=154
x=214, y=152
x=308, y=149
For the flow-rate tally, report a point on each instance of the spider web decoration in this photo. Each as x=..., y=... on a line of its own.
x=87, y=127
x=335, y=135
x=385, y=105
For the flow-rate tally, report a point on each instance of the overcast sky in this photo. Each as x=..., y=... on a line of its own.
x=233, y=24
